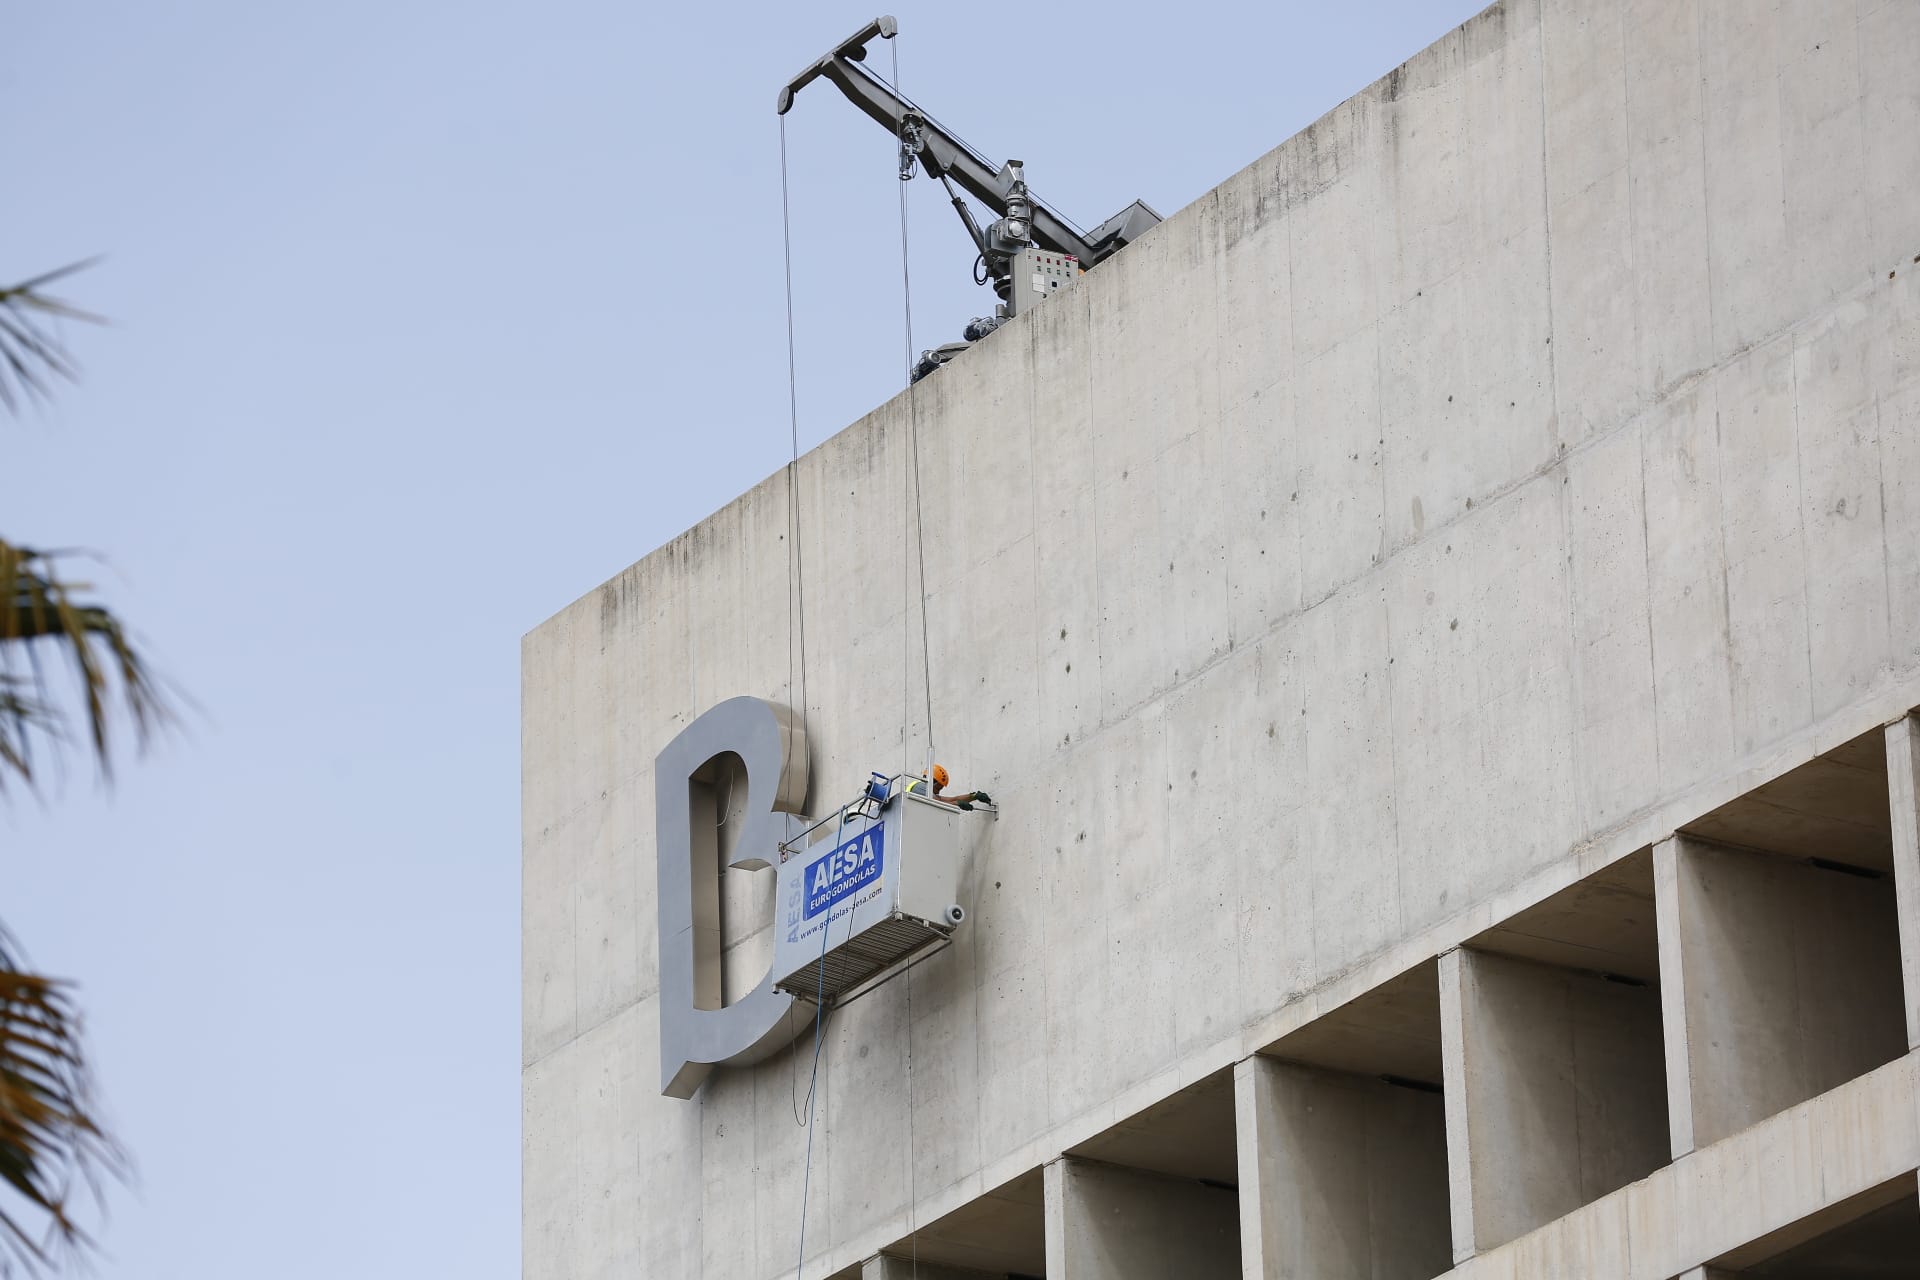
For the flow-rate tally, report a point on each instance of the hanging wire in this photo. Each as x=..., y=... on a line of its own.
x=796, y=563
x=920, y=534
x=797, y=641
x=913, y=1148
x=920, y=553
x=819, y=1007
x=793, y=1075
x=906, y=277
x=912, y=417
x=797, y=619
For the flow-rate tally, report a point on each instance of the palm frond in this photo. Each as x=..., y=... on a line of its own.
x=53, y=1148
x=29, y=355
x=22, y=715
x=40, y=611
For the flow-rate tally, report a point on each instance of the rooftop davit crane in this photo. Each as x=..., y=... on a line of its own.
x=1029, y=251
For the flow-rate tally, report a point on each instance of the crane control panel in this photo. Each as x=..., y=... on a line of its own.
x=1038, y=275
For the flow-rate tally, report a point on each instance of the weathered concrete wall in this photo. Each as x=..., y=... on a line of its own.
x=1559, y=1085
x=1530, y=445
x=1783, y=979
x=1705, y=1205
x=1342, y=1177
x=1109, y=1223
x=887, y=1268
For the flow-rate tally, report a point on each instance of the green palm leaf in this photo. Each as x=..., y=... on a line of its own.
x=28, y=353
x=42, y=612
x=52, y=1145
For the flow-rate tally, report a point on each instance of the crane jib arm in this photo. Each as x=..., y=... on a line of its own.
x=943, y=154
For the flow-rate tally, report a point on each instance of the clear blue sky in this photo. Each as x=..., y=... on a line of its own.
x=426, y=320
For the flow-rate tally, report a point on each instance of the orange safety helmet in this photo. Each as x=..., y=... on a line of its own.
x=939, y=776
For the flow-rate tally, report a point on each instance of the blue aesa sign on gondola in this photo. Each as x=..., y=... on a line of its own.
x=856, y=863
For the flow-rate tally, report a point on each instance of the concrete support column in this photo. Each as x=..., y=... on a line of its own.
x=1453, y=1063
x=1903, y=794
x=886, y=1267
x=1778, y=981
x=1554, y=1092
x=1109, y=1223
x=1342, y=1177
x=1673, y=996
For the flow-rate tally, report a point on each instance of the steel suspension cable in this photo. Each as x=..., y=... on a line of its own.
x=797, y=618
x=913, y=417
x=796, y=563
x=906, y=276
x=919, y=524
x=797, y=627
x=920, y=553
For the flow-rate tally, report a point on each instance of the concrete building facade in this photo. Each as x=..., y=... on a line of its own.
x=1440, y=618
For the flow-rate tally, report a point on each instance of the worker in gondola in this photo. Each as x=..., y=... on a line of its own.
x=920, y=786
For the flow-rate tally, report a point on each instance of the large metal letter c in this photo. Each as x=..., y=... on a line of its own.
x=696, y=1031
